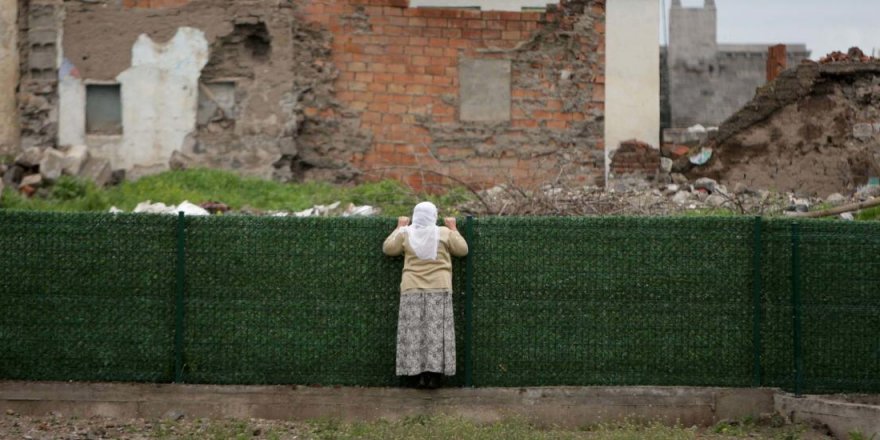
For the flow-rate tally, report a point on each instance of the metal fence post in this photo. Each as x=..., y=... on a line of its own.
x=469, y=304
x=796, y=309
x=757, y=251
x=179, y=300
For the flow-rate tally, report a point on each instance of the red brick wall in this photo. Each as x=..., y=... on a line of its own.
x=399, y=70
x=634, y=157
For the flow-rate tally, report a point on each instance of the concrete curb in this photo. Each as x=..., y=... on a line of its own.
x=841, y=417
x=563, y=406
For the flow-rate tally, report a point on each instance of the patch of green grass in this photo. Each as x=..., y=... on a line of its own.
x=201, y=185
x=869, y=214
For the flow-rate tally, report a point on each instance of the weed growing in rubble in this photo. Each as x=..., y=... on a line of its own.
x=202, y=185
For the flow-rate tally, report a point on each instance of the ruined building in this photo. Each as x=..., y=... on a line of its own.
x=337, y=89
x=815, y=130
x=708, y=81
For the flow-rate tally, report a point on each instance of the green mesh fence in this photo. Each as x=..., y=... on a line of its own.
x=551, y=301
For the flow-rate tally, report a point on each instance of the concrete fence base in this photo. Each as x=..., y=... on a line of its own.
x=842, y=417
x=563, y=406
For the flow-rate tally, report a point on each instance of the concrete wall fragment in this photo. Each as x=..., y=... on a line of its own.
x=9, y=74
x=632, y=88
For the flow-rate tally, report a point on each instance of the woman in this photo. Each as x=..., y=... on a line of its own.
x=425, y=331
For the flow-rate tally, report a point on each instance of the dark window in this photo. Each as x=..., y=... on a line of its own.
x=103, y=109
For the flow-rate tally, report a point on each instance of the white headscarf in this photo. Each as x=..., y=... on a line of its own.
x=423, y=233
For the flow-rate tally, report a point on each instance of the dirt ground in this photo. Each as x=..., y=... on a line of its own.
x=58, y=426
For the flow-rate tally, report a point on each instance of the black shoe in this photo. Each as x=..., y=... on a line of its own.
x=434, y=380
x=423, y=381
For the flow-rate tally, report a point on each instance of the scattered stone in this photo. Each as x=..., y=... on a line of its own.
x=117, y=177
x=717, y=201
x=115, y=210
x=180, y=161
x=30, y=157
x=863, y=131
x=679, y=178
x=740, y=189
x=847, y=216
x=672, y=189
x=666, y=164
x=868, y=192
x=52, y=164
x=706, y=184
x=835, y=199
x=34, y=181
x=97, y=170
x=701, y=194
x=215, y=207
x=681, y=197
x=13, y=175
x=74, y=160
x=174, y=415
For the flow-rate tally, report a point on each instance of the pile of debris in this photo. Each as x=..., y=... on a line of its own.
x=854, y=55
x=212, y=208
x=36, y=168
x=815, y=130
x=703, y=195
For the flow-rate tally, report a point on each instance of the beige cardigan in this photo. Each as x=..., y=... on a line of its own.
x=426, y=274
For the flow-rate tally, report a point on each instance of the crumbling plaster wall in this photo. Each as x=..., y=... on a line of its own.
x=813, y=131
x=333, y=90
x=400, y=71
x=251, y=45
x=9, y=74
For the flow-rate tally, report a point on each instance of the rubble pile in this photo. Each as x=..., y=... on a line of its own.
x=216, y=208
x=853, y=55
x=36, y=168
x=814, y=130
x=701, y=196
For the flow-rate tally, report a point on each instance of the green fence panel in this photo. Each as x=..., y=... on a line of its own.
x=840, y=285
x=555, y=301
x=616, y=301
x=279, y=300
x=86, y=297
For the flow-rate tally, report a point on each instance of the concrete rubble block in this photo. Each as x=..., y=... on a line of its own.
x=13, y=175
x=705, y=183
x=666, y=164
x=74, y=160
x=33, y=181
x=863, y=131
x=51, y=164
x=30, y=157
x=682, y=197
x=97, y=170
x=835, y=199
x=180, y=161
x=716, y=201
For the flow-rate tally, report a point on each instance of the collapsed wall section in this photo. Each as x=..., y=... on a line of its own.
x=429, y=86
x=329, y=90
x=814, y=130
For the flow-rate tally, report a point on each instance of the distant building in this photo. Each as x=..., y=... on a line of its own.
x=707, y=82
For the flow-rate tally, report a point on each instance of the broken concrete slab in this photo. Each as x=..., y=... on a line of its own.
x=97, y=170
x=30, y=157
x=51, y=164
x=34, y=181
x=74, y=160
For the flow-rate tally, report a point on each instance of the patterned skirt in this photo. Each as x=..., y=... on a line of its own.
x=425, y=333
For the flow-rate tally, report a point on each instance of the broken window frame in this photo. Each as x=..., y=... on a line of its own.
x=89, y=130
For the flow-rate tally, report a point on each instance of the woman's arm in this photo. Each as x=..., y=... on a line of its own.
x=457, y=245
x=393, y=245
